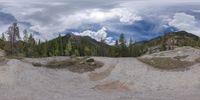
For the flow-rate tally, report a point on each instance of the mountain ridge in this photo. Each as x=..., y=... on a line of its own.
x=168, y=41
x=71, y=44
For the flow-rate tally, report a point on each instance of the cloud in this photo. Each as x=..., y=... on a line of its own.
x=57, y=16
x=98, y=35
x=186, y=22
x=51, y=17
x=99, y=16
x=196, y=11
x=85, y=17
x=5, y=20
x=80, y=18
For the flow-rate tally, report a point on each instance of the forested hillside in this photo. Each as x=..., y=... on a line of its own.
x=70, y=44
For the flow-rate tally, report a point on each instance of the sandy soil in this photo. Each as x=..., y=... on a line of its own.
x=119, y=79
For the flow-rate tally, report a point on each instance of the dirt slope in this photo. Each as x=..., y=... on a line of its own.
x=119, y=79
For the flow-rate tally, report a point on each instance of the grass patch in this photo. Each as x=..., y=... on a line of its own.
x=78, y=65
x=37, y=64
x=3, y=61
x=15, y=57
x=166, y=63
x=197, y=60
x=181, y=57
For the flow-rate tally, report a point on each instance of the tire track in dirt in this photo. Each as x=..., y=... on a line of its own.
x=95, y=76
x=112, y=86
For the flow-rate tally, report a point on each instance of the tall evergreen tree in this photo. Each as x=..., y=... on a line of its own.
x=67, y=53
x=69, y=47
x=26, y=37
x=116, y=49
x=45, y=49
x=130, y=47
x=13, y=33
x=31, y=40
x=31, y=46
x=61, y=48
x=56, y=49
x=122, y=44
x=3, y=37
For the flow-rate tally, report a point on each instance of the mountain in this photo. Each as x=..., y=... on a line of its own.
x=84, y=40
x=71, y=44
x=167, y=42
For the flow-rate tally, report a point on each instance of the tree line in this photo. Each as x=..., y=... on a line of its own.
x=27, y=46
x=70, y=45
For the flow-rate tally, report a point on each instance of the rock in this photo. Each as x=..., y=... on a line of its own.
x=92, y=63
x=2, y=53
x=89, y=60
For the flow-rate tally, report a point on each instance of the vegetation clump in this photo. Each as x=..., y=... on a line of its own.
x=3, y=61
x=181, y=57
x=166, y=63
x=197, y=60
x=78, y=65
x=70, y=44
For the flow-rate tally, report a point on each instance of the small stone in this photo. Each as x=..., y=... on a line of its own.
x=90, y=60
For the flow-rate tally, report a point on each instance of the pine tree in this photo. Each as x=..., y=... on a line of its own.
x=26, y=37
x=13, y=33
x=130, y=47
x=77, y=53
x=31, y=46
x=69, y=47
x=116, y=49
x=39, y=42
x=38, y=49
x=56, y=49
x=123, y=47
x=122, y=39
x=67, y=53
x=3, y=37
x=45, y=49
x=31, y=40
x=61, y=45
x=87, y=51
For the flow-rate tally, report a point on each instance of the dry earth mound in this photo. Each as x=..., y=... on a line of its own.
x=118, y=79
x=178, y=59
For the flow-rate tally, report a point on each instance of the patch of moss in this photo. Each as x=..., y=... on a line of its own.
x=3, y=61
x=75, y=65
x=181, y=57
x=197, y=60
x=166, y=63
x=37, y=64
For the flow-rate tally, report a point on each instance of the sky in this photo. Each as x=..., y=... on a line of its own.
x=101, y=19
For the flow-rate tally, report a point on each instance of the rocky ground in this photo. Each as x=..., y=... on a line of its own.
x=118, y=79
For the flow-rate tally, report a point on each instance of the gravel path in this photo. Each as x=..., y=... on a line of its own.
x=128, y=80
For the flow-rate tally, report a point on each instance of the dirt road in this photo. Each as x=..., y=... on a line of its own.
x=119, y=79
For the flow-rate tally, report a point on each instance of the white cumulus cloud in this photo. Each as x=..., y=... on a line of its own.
x=99, y=16
x=48, y=21
x=98, y=35
x=186, y=22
